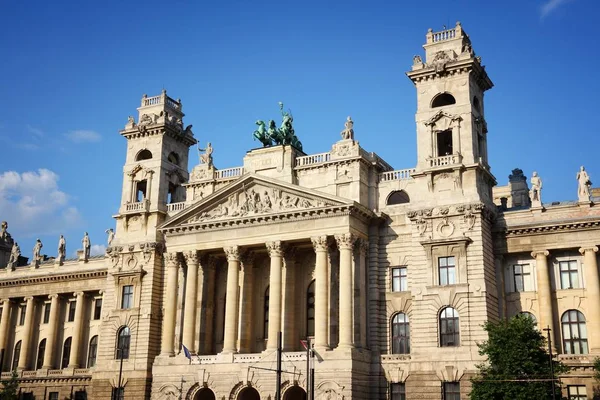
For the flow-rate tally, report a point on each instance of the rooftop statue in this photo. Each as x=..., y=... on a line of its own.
x=37, y=250
x=348, y=132
x=206, y=158
x=284, y=135
x=111, y=235
x=85, y=242
x=15, y=253
x=536, y=190
x=62, y=250
x=584, y=183
x=4, y=235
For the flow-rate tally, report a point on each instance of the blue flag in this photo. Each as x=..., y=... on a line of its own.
x=186, y=352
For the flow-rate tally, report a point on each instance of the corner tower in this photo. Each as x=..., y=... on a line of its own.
x=451, y=127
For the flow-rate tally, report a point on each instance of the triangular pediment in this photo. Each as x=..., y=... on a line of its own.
x=254, y=196
x=442, y=120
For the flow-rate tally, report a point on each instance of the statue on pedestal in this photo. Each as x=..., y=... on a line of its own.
x=62, y=250
x=535, y=193
x=584, y=183
x=111, y=235
x=15, y=253
x=37, y=249
x=348, y=132
x=86, y=246
x=285, y=135
x=206, y=158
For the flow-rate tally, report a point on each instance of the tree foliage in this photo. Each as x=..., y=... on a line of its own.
x=518, y=364
x=10, y=387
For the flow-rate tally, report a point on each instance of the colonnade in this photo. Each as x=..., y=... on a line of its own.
x=282, y=296
x=9, y=307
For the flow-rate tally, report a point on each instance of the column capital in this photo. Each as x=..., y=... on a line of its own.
x=191, y=257
x=232, y=253
x=53, y=296
x=79, y=294
x=28, y=299
x=585, y=249
x=345, y=240
x=320, y=243
x=536, y=253
x=275, y=248
x=172, y=260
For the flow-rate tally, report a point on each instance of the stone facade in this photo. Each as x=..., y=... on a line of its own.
x=389, y=274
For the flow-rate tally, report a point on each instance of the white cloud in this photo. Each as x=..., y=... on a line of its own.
x=550, y=6
x=83, y=136
x=35, y=131
x=97, y=250
x=33, y=205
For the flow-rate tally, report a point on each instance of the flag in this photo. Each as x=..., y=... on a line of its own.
x=187, y=353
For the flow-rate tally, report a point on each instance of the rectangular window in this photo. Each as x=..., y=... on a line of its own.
x=53, y=396
x=569, y=275
x=522, y=278
x=71, y=315
x=81, y=395
x=399, y=279
x=576, y=392
x=47, y=313
x=127, y=297
x=23, y=310
x=451, y=390
x=118, y=393
x=398, y=391
x=447, y=270
x=97, y=308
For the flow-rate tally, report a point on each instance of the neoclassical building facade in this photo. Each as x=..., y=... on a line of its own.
x=388, y=274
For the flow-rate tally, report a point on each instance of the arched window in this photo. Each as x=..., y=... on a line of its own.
x=66, y=353
x=173, y=158
x=574, y=333
x=530, y=316
x=310, y=309
x=40, y=354
x=449, y=328
x=143, y=155
x=92, y=351
x=16, y=356
x=123, y=341
x=397, y=197
x=400, y=334
x=443, y=99
x=266, y=315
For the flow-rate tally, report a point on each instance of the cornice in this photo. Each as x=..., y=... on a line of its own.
x=59, y=277
x=540, y=229
x=161, y=129
x=452, y=68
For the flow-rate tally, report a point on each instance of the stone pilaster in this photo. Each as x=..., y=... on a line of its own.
x=320, y=244
x=77, y=331
x=4, y=327
x=26, y=342
x=52, y=332
x=291, y=338
x=345, y=244
x=231, y=305
x=169, y=317
x=500, y=285
x=246, y=328
x=276, y=253
x=544, y=292
x=191, y=299
x=592, y=288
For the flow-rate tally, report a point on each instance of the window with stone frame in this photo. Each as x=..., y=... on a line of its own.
x=71, y=313
x=451, y=391
x=118, y=393
x=16, y=355
x=97, y=308
x=449, y=328
x=399, y=279
x=569, y=274
x=397, y=391
x=127, y=297
x=66, y=354
x=447, y=260
x=522, y=278
x=529, y=315
x=40, y=355
x=574, y=333
x=53, y=396
x=92, y=352
x=400, y=334
x=447, y=270
x=576, y=392
x=47, y=309
x=23, y=311
x=123, y=343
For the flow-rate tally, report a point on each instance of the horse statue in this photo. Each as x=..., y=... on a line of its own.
x=274, y=133
x=296, y=143
x=261, y=134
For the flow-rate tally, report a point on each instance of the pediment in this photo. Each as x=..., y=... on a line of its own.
x=253, y=197
x=442, y=120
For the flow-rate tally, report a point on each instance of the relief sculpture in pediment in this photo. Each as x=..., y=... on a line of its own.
x=255, y=201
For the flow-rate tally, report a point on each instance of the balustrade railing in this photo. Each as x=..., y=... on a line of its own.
x=175, y=207
x=312, y=159
x=396, y=175
x=445, y=160
x=151, y=101
x=229, y=173
x=444, y=35
x=138, y=206
x=156, y=100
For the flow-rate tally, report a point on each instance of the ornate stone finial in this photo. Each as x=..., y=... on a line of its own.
x=345, y=240
x=206, y=158
x=348, y=132
x=535, y=193
x=320, y=243
x=232, y=253
x=583, y=185
x=111, y=235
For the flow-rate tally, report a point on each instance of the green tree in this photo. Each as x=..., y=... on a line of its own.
x=518, y=364
x=10, y=387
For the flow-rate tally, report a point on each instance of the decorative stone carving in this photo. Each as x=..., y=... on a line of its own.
x=440, y=59
x=275, y=248
x=417, y=60
x=172, y=259
x=345, y=240
x=111, y=236
x=62, y=250
x=469, y=219
x=130, y=123
x=191, y=257
x=348, y=132
x=421, y=225
x=535, y=193
x=445, y=228
x=37, y=256
x=206, y=158
x=200, y=172
x=232, y=253
x=85, y=242
x=255, y=201
x=584, y=183
x=320, y=243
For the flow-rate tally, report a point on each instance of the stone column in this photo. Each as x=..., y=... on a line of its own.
x=191, y=299
x=592, y=288
x=320, y=245
x=25, y=344
x=208, y=304
x=246, y=328
x=170, y=313
x=345, y=243
x=52, y=330
x=544, y=291
x=363, y=249
x=76, y=341
x=276, y=253
x=231, y=305
x=500, y=285
x=4, y=327
x=290, y=332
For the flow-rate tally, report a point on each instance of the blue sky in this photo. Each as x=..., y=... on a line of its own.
x=71, y=74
